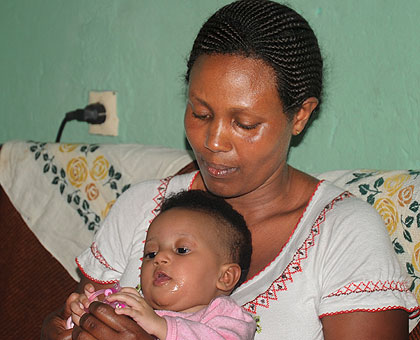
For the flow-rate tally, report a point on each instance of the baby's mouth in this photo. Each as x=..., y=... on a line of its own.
x=160, y=278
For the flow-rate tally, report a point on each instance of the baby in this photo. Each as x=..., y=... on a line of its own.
x=197, y=251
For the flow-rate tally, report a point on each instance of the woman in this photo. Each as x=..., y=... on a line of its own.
x=322, y=265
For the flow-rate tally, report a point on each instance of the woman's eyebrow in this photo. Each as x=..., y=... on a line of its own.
x=233, y=110
x=201, y=101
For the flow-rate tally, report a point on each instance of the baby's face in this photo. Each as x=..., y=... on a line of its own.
x=182, y=261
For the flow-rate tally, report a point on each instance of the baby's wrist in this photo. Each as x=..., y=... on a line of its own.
x=161, y=328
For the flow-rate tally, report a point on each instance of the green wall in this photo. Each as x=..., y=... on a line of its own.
x=53, y=52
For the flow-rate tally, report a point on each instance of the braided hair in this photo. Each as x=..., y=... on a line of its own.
x=274, y=33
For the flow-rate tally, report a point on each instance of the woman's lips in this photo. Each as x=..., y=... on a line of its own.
x=160, y=278
x=217, y=170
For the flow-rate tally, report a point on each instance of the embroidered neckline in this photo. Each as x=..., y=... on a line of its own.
x=193, y=180
x=280, y=284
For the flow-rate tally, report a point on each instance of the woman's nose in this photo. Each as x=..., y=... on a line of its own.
x=217, y=139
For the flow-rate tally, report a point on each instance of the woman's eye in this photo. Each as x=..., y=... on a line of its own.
x=246, y=127
x=182, y=250
x=198, y=116
x=150, y=255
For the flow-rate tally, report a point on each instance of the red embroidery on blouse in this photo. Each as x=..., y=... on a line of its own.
x=158, y=199
x=91, y=278
x=369, y=287
x=97, y=254
x=409, y=310
x=193, y=180
x=280, y=284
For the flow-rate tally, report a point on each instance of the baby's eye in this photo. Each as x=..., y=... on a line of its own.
x=182, y=250
x=150, y=255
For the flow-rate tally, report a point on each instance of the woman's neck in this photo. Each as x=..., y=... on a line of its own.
x=284, y=192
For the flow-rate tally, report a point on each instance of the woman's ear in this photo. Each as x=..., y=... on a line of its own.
x=229, y=275
x=302, y=116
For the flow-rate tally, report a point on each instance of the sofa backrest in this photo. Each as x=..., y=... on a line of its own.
x=63, y=192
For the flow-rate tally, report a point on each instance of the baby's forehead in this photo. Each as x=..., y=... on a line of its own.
x=201, y=217
x=184, y=222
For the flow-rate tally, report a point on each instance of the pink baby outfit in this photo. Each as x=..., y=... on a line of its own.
x=221, y=319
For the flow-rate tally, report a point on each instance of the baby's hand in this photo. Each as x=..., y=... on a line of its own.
x=138, y=309
x=80, y=303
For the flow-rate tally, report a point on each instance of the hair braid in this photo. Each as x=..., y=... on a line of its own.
x=274, y=33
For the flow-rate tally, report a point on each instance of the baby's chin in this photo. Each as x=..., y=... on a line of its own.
x=164, y=304
x=160, y=303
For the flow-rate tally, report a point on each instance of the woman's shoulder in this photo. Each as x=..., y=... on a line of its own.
x=341, y=200
x=345, y=213
x=163, y=185
x=142, y=200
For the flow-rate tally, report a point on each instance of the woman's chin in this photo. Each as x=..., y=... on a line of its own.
x=221, y=190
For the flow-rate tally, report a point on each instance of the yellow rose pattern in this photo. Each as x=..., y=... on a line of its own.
x=405, y=195
x=417, y=292
x=83, y=180
x=92, y=192
x=393, y=184
x=77, y=171
x=67, y=147
x=99, y=169
x=388, y=211
x=416, y=257
x=394, y=196
x=107, y=208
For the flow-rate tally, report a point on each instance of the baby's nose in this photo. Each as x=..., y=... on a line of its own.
x=162, y=257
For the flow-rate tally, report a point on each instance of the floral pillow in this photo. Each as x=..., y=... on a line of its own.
x=64, y=191
x=396, y=196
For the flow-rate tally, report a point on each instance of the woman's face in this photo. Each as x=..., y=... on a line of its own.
x=235, y=124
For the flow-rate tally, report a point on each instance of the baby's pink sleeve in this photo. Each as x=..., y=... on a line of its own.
x=222, y=319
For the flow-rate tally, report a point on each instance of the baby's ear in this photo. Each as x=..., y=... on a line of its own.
x=230, y=273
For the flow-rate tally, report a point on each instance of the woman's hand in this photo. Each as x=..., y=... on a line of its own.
x=102, y=323
x=54, y=326
x=81, y=302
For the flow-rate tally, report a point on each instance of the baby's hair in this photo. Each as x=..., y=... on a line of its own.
x=232, y=226
x=274, y=33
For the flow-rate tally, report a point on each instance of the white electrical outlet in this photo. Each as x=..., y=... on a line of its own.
x=109, y=100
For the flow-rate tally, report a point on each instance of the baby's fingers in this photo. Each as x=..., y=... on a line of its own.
x=89, y=289
x=77, y=310
x=85, y=302
x=131, y=300
x=129, y=290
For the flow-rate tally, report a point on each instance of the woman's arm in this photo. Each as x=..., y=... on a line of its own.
x=54, y=325
x=385, y=325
